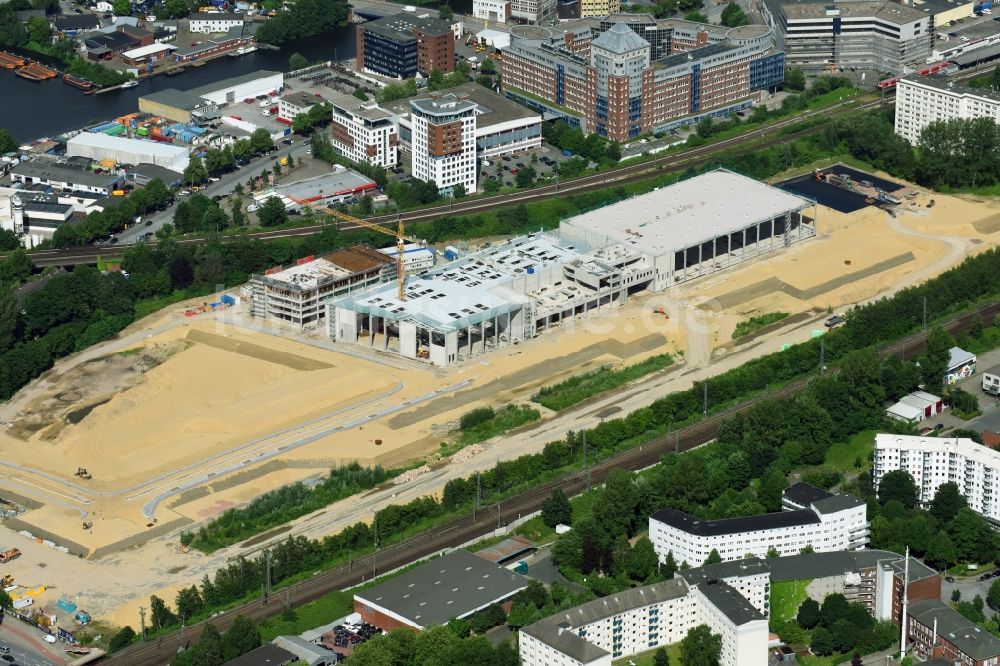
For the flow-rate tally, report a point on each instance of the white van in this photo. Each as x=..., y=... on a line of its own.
x=264, y=103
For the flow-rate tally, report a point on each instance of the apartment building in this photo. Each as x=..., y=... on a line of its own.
x=364, y=132
x=830, y=523
x=293, y=104
x=923, y=100
x=932, y=461
x=882, y=35
x=937, y=631
x=640, y=619
x=444, y=142
x=404, y=44
x=611, y=81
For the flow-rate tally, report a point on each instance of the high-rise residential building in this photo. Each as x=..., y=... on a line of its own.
x=364, y=132
x=865, y=34
x=932, y=461
x=402, y=45
x=923, y=100
x=610, y=80
x=443, y=142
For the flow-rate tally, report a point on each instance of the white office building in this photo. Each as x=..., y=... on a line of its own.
x=923, y=100
x=932, y=461
x=644, y=618
x=214, y=22
x=364, y=132
x=830, y=523
x=532, y=11
x=497, y=11
x=444, y=142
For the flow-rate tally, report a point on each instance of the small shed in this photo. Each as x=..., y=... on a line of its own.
x=905, y=413
x=961, y=365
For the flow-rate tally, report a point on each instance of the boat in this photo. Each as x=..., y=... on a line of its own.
x=33, y=71
x=130, y=84
x=77, y=83
x=27, y=74
x=243, y=50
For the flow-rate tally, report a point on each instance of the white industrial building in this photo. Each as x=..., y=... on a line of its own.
x=65, y=177
x=364, y=132
x=214, y=22
x=97, y=146
x=293, y=104
x=238, y=88
x=925, y=99
x=698, y=226
x=829, y=523
x=991, y=380
x=497, y=11
x=444, y=142
x=640, y=619
x=932, y=461
x=915, y=407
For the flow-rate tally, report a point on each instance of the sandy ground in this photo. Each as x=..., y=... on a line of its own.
x=204, y=394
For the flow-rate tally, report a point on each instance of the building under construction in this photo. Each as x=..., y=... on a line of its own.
x=296, y=294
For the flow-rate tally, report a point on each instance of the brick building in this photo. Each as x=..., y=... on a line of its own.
x=402, y=45
x=937, y=631
x=619, y=84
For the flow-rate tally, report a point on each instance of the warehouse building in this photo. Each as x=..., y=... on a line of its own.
x=698, y=226
x=297, y=294
x=879, y=35
x=827, y=523
x=961, y=365
x=146, y=54
x=453, y=586
x=643, y=618
x=608, y=81
x=98, y=147
x=64, y=176
x=177, y=105
x=915, y=407
x=238, y=88
x=872, y=578
x=402, y=45
x=932, y=461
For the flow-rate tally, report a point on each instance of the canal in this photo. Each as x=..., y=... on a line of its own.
x=32, y=110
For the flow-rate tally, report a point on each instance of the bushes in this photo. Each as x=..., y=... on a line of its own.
x=576, y=389
x=475, y=417
x=748, y=326
x=508, y=418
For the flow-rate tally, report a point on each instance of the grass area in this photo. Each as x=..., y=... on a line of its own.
x=842, y=455
x=313, y=614
x=580, y=387
x=646, y=658
x=786, y=597
x=832, y=97
x=964, y=570
x=830, y=660
x=508, y=418
x=129, y=352
x=148, y=306
x=748, y=326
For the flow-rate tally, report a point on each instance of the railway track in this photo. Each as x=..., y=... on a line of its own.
x=765, y=138
x=463, y=529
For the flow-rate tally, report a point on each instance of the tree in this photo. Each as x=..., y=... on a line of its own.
x=525, y=177
x=433, y=646
x=241, y=637
x=972, y=536
x=993, y=596
x=360, y=93
x=642, y=561
x=556, y=509
x=845, y=635
x=661, y=658
x=956, y=595
x=195, y=172
x=941, y=552
x=835, y=607
x=272, y=212
x=713, y=557
x=934, y=362
x=489, y=67
x=669, y=567
x=770, y=488
x=10, y=319
x=947, y=502
x=701, y=647
x=237, y=214
x=823, y=642
x=706, y=127
x=189, y=602
x=8, y=143
x=458, y=191
x=122, y=639
x=5, y=600
x=446, y=13
x=491, y=185
x=297, y=61
x=733, y=16
x=809, y=614
x=898, y=485
x=160, y=615
x=261, y=141
x=856, y=660
x=40, y=30
x=772, y=553
x=795, y=79
x=696, y=16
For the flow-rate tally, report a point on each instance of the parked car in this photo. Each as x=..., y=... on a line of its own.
x=149, y=223
x=49, y=638
x=834, y=321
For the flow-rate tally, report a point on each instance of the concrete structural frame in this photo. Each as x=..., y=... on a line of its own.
x=829, y=523
x=643, y=618
x=932, y=461
x=698, y=226
x=923, y=100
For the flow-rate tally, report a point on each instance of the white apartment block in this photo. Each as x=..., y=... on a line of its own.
x=923, y=100
x=214, y=22
x=830, y=523
x=645, y=618
x=364, y=132
x=444, y=142
x=497, y=11
x=293, y=104
x=932, y=461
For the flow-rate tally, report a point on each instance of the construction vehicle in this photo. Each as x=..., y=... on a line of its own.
x=83, y=473
x=401, y=238
x=87, y=524
x=7, y=580
x=8, y=555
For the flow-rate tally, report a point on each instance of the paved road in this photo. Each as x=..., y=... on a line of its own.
x=26, y=645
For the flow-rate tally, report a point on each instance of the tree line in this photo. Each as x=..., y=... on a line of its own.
x=305, y=18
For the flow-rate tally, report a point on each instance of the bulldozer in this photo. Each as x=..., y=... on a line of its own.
x=83, y=473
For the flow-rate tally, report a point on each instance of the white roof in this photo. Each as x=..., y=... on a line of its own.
x=959, y=356
x=924, y=395
x=689, y=212
x=916, y=402
x=99, y=140
x=144, y=51
x=960, y=446
x=905, y=412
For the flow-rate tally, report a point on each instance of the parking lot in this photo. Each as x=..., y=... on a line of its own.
x=506, y=168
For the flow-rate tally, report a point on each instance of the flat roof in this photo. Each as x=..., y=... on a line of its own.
x=399, y=27
x=155, y=171
x=886, y=10
x=326, y=185
x=107, y=142
x=491, y=109
x=152, y=49
x=232, y=82
x=455, y=585
x=732, y=604
x=768, y=521
x=351, y=105
x=507, y=549
x=266, y=654
x=178, y=99
x=804, y=494
x=63, y=173
x=905, y=411
x=358, y=259
x=689, y=212
x=217, y=16
x=958, y=356
x=941, y=83
x=301, y=98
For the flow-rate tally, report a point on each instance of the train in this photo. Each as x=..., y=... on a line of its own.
x=944, y=66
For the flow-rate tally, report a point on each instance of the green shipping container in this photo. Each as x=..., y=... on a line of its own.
x=142, y=131
x=115, y=131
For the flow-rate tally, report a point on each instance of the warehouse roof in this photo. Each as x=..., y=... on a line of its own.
x=978, y=644
x=958, y=356
x=455, y=585
x=177, y=99
x=144, y=51
x=104, y=141
x=233, y=82
x=267, y=654
x=341, y=181
x=112, y=41
x=76, y=22
x=768, y=521
x=687, y=213
x=155, y=171
x=732, y=604
x=63, y=174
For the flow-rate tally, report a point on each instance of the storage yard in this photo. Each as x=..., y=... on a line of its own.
x=209, y=409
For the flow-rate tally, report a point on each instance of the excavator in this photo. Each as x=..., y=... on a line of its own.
x=83, y=473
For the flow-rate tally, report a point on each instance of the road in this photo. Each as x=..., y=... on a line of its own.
x=462, y=530
x=768, y=136
x=26, y=644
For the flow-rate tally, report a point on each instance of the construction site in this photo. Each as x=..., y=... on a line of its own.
x=196, y=409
